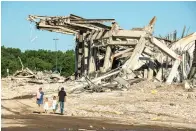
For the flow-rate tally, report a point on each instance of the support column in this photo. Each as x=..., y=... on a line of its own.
x=92, y=52
x=150, y=69
x=184, y=62
x=133, y=61
x=82, y=61
x=107, y=63
x=95, y=49
x=173, y=71
x=85, y=55
x=159, y=75
x=145, y=73
x=89, y=56
x=76, y=59
x=80, y=53
x=92, y=64
x=193, y=67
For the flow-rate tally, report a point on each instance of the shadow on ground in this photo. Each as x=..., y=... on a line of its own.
x=37, y=122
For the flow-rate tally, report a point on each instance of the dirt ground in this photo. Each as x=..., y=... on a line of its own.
x=36, y=122
x=146, y=106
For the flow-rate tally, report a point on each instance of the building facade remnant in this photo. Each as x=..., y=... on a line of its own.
x=104, y=51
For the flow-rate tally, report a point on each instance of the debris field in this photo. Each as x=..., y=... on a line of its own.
x=129, y=76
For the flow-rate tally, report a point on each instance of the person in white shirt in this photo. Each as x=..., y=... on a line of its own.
x=54, y=104
x=46, y=105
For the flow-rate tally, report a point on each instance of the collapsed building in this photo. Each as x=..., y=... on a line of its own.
x=109, y=53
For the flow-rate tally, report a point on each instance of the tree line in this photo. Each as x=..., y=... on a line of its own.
x=38, y=60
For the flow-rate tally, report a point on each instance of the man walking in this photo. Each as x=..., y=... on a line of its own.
x=62, y=98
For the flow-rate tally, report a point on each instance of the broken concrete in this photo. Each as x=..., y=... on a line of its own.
x=101, y=49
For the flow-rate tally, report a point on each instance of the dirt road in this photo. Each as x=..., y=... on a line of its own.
x=36, y=122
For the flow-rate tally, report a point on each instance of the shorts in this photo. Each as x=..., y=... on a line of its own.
x=39, y=101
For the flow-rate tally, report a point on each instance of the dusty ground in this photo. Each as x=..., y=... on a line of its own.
x=35, y=122
x=144, y=104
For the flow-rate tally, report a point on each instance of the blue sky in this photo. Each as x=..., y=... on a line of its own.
x=16, y=30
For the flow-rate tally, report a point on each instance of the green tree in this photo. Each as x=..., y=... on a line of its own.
x=39, y=60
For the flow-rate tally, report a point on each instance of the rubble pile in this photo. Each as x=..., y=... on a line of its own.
x=24, y=73
x=112, y=57
x=21, y=77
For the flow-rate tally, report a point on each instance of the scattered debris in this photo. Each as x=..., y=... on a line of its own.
x=24, y=73
x=25, y=76
x=111, y=58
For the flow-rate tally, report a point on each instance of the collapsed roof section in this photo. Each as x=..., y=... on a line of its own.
x=69, y=25
x=74, y=24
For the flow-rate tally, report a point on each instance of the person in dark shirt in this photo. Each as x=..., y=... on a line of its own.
x=62, y=98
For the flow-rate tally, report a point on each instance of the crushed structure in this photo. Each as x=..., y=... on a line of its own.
x=109, y=54
x=25, y=75
x=21, y=77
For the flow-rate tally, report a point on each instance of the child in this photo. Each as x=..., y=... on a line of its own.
x=46, y=105
x=54, y=104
